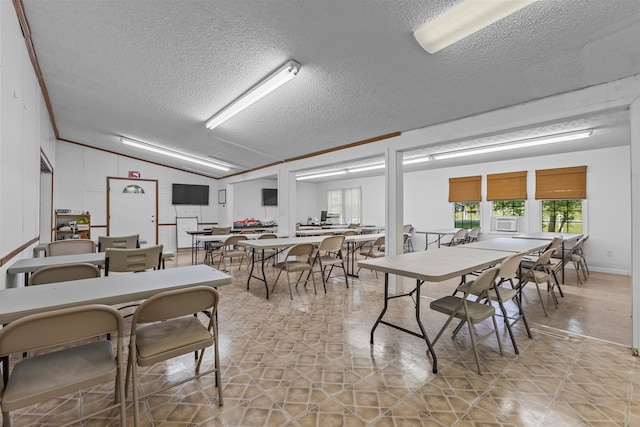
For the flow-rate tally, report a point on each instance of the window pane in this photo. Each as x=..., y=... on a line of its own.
x=467, y=214
x=346, y=203
x=562, y=216
x=508, y=208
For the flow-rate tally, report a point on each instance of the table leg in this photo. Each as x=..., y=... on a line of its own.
x=423, y=334
x=384, y=309
x=264, y=276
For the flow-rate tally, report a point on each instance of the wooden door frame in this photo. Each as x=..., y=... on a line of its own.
x=109, y=178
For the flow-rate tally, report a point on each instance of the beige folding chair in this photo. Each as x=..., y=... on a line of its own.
x=70, y=247
x=63, y=273
x=376, y=250
x=212, y=248
x=57, y=371
x=508, y=270
x=576, y=255
x=266, y=253
x=473, y=234
x=539, y=273
x=329, y=254
x=297, y=260
x=164, y=327
x=121, y=242
x=132, y=260
x=471, y=312
x=407, y=231
x=459, y=237
x=230, y=250
x=218, y=231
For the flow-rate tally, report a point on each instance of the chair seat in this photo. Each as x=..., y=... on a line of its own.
x=373, y=254
x=477, y=311
x=329, y=260
x=235, y=253
x=505, y=293
x=293, y=266
x=171, y=338
x=33, y=381
x=536, y=276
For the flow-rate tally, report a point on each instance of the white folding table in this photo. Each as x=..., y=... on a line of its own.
x=440, y=233
x=428, y=266
x=29, y=265
x=548, y=236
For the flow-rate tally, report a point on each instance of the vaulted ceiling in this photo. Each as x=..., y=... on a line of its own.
x=155, y=71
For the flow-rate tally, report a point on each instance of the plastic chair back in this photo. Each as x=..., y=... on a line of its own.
x=63, y=273
x=70, y=247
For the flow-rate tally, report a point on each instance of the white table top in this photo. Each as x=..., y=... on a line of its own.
x=548, y=236
x=28, y=265
x=506, y=244
x=223, y=237
x=319, y=231
x=18, y=302
x=290, y=241
x=441, y=231
x=435, y=266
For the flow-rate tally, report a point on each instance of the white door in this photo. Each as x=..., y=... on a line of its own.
x=132, y=208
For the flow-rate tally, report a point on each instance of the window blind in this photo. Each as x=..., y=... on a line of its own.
x=561, y=183
x=507, y=186
x=465, y=189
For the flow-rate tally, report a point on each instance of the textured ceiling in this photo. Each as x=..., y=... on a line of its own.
x=155, y=71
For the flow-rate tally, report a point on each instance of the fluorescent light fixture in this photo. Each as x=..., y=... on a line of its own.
x=171, y=153
x=517, y=144
x=463, y=20
x=417, y=160
x=282, y=75
x=320, y=175
x=367, y=168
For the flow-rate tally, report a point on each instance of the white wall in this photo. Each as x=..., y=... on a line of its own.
x=308, y=204
x=247, y=198
x=373, y=197
x=24, y=130
x=80, y=183
x=607, y=218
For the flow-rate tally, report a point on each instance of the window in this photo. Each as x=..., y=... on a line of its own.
x=346, y=204
x=467, y=214
x=562, y=216
x=508, y=208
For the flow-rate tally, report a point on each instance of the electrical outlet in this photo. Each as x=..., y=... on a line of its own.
x=609, y=252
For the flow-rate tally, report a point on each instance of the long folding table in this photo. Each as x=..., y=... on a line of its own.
x=16, y=303
x=507, y=244
x=440, y=233
x=29, y=265
x=548, y=236
x=116, y=289
x=428, y=266
x=219, y=238
x=280, y=244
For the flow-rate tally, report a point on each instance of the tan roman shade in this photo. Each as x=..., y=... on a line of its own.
x=465, y=189
x=507, y=186
x=561, y=183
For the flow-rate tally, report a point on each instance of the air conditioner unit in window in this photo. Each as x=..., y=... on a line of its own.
x=506, y=223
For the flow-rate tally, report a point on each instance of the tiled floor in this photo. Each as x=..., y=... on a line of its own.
x=308, y=362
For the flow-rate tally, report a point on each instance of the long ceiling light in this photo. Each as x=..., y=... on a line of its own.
x=282, y=75
x=463, y=20
x=517, y=144
x=321, y=175
x=171, y=153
